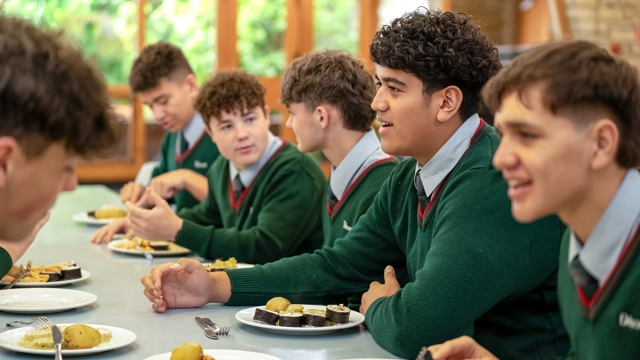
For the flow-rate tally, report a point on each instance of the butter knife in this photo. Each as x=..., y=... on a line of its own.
x=57, y=341
x=207, y=331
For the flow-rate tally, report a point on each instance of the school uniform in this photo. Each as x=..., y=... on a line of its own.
x=471, y=268
x=260, y=214
x=190, y=148
x=353, y=185
x=598, y=283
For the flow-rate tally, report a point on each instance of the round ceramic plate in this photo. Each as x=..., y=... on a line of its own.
x=246, y=317
x=85, y=276
x=83, y=217
x=41, y=300
x=221, y=354
x=178, y=250
x=120, y=337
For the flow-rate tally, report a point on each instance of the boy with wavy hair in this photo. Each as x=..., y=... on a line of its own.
x=264, y=195
x=569, y=114
x=439, y=234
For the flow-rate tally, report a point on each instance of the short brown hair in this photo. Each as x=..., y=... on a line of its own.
x=335, y=78
x=229, y=91
x=49, y=93
x=577, y=76
x=157, y=61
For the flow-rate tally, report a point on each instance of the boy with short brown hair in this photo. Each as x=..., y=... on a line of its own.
x=569, y=114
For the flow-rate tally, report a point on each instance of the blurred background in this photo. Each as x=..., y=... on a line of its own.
x=263, y=36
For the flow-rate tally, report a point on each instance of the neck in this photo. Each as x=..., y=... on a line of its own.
x=436, y=140
x=339, y=143
x=582, y=215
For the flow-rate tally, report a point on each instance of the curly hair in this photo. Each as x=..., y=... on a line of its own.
x=331, y=77
x=441, y=49
x=578, y=78
x=157, y=61
x=50, y=94
x=229, y=91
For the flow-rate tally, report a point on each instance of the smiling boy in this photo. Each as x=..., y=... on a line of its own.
x=264, y=194
x=441, y=220
x=569, y=114
x=54, y=110
x=165, y=82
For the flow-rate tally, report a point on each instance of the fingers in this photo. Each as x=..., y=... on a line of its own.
x=136, y=192
x=463, y=347
x=125, y=192
x=43, y=221
x=130, y=234
x=99, y=235
x=389, y=275
x=143, y=202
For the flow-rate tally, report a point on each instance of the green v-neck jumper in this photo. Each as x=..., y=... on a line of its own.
x=197, y=158
x=276, y=216
x=608, y=325
x=471, y=268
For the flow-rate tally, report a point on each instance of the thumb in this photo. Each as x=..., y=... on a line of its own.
x=155, y=199
x=389, y=275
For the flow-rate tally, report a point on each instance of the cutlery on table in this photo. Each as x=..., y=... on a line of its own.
x=55, y=332
x=207, y=331
x=217, y=329
x=20, y=276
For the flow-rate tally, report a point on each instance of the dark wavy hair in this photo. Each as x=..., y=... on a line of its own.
x=441, y=49
x=157, y=61
x=50, y=94
x=229, y=91
x=335, y=78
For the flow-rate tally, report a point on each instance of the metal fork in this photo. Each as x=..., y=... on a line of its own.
x=55, y=333
x=11, y=323
x=218, y=330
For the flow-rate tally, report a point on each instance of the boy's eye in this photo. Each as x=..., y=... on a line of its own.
x=250, y=119
x=527, y=135
x=393, y=89
x=378, y=84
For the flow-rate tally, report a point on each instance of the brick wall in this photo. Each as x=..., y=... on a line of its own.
x=612, y=24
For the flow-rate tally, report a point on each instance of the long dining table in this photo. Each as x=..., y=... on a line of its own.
x=115, y=280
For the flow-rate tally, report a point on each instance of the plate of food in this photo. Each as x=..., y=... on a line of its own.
x=100, y=216
x=193, y=351
x=43, y=300
x=51, y=275
x=136, y=246
x=281, y=317
x=78, y=339
x=221, y=265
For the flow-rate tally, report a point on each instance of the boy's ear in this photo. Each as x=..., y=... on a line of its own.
x=448, y=103
x=321, y=115
x=191, y=83
x=606, y=137
x=8, y=150
x=266, y=114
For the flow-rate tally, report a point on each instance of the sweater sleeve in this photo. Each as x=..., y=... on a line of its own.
x=5, y=262
x=479, y=258
x=164, y=152
x=284, y=221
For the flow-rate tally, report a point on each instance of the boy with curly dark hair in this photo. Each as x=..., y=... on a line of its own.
x=54, y=110
x=569, y=113
x=439, y=234
x=162, y=77
x=264, y=195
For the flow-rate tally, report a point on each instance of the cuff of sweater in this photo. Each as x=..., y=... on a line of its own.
x=5, y=262
x=247, y=286
x=193, y=237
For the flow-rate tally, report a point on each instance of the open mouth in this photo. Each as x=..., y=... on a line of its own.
x=518, y=188
x=385, y=124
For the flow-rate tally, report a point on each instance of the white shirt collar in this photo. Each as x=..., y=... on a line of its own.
x=250, y=172
x=193, y=131
x=447, y=157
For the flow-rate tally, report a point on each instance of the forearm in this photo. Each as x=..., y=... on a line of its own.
x=196, y=184
x=221, y=289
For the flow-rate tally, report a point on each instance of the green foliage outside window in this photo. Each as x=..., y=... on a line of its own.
x=335, y=25
x=260, y=27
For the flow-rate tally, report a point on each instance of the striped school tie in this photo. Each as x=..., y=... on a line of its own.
x=582, y=278
x=238, y=188
x=332, y=200
x=423, y=199
x=184, y=145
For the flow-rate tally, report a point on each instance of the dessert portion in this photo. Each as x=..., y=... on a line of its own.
x=138, y=243
x=77, y=336
x=220, y=265
x=45, y=273
x=107, y=212
x=189, y=351
x=280, y=312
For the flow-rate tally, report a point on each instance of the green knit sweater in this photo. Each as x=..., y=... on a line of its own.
x=355, y=201
x=472, y=268
x=276, y=216
x=198, y=158
x=607, y=327
x=5, y=262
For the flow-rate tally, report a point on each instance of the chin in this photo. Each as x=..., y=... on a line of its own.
x=524, y=215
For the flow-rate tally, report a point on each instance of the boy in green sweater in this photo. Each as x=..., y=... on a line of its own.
x=569, y=114
x=329, y=96
x=164, y=80
x=54, y=109
x=264, y=194
x=441, y=221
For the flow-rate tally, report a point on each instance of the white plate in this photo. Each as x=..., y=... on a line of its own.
x=246, y=317
x=83, y=217
x=85, y=276
x=34, y=301
x=121, y=337
x=220, y=354
x=179, y=251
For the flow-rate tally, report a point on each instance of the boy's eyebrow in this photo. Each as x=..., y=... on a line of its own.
x=517, y=125
x=390, y=79
x=158, y=98
x=224, y=121
x=243, y=113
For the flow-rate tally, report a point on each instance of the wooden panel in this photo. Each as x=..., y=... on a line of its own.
x=298, y=37
x=368, y=28
x=227, y=36
x=272, y=97
x=446, y=5
x=560, y=20
x=534, y=24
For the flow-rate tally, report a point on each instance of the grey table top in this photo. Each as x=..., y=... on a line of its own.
x=115, y=279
